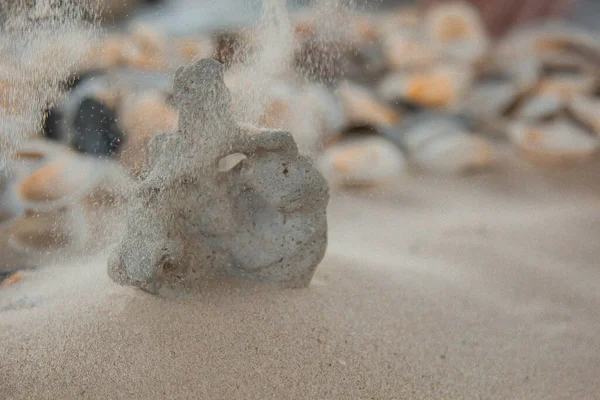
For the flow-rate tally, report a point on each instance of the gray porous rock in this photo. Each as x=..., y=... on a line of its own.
x=221, y=199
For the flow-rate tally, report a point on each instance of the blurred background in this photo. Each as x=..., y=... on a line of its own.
x=499, y=15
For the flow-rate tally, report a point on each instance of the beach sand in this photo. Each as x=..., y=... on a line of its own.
x=486, y=286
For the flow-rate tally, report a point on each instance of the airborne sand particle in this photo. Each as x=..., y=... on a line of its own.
x=44, y=41
x=41, y=43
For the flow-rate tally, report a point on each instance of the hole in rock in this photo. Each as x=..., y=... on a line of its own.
x=229, y=162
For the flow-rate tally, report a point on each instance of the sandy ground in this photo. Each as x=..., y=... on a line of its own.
x=482, y=287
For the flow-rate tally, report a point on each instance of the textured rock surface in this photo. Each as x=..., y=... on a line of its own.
x=262, y=219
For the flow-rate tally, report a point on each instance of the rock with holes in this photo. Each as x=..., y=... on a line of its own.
x=221, y=199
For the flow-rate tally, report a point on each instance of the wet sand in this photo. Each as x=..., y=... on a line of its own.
x=480, y=287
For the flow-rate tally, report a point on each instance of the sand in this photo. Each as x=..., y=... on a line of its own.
x=432, y=288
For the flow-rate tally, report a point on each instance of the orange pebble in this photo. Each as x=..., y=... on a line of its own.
x=13, y=279
x=276, y=114
x=363, y=107
x=430, y=91
x=143, y=117
x=42, y=184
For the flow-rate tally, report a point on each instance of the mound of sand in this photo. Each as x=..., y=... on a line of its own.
x=485, y=287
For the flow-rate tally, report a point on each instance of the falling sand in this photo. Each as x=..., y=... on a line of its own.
x=485, y=287
x=41, y=44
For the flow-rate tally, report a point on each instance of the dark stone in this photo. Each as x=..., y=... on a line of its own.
x=360, y=130
x=4, y=275
x=96, y=129
x=52, y=127
x=406, y=106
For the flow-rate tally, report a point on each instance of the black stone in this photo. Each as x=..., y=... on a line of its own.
x=360, y=130
x=407, y=106
x=52, y=127
x=96, y=129
x=4, y=275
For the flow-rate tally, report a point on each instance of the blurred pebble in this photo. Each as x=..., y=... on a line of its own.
x=148, y=51
x=142, y=116
x=328, y=109
x=117, y=9
x=438, y=87
x=96, y=129
x=11, y=207
x=110, y=53
x=4, y=275
x=120, y=82
x=362, y=107
x=456, y=29
x=548, y=38
x=490, y=99
x=524, y=72
x=456, y=154
x=64, y=179
x=362, y=161
x=194, y=47
x=567, y=85
x=24, y=302
x=406, y=50
x=47, y=232
x=567, y=61
x=11, y=279
x=52, y=128
x=439, y=143
x=521, y=70
x=311, y=113
x=400, y=17
x=539, y=107
x=555, y=142
x=587, y=111
x=279, y=111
